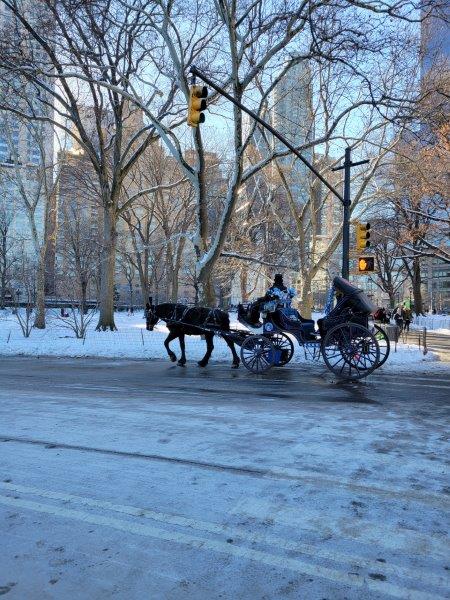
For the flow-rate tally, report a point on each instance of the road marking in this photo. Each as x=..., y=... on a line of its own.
x=283, y=562
x=312, y=477
x=256, y=508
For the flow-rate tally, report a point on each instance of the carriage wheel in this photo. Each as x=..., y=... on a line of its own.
x=257, y=353
x=383, y=343
x=284, y=344
x=350, y=351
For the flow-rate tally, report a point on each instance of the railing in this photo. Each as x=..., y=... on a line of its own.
x=432, y=322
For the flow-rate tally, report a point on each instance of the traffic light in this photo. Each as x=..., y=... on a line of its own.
x=366, y=264
x=362, y=236
x=197, y=103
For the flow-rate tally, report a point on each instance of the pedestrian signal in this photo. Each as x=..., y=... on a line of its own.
x=197, y=104
x=366, y=264
x=362, y=236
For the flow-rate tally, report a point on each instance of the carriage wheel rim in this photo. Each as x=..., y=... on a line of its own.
x=255, y=352
x=355, y=349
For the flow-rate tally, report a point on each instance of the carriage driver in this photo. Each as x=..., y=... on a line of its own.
x=281, y=292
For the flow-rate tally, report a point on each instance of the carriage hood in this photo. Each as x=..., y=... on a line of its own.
x=357, y=299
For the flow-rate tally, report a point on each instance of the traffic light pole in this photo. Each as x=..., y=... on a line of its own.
x=347, y=203
x=345, y=199
x=267, y=126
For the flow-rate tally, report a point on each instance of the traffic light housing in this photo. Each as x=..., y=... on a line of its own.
x=366, y=264
x=197, y=104
x=362, y=236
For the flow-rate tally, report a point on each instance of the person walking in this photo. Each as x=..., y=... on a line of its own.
x=398, y=318
x=406, y=316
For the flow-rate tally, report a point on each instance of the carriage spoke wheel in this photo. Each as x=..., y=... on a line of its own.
x=350, y=351
x=383, y=343
x=284, y=344
x=257, y=353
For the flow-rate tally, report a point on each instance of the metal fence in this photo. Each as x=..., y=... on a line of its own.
x=432, y=322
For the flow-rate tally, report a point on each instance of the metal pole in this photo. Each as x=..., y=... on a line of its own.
x=347, y=203
x=346, y=219
x=345, y=199
x=266, y=125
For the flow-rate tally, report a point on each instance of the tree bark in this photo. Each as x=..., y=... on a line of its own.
x=391, y=294
x=417, y=292
x=107, y=271
x=243, y=280
x=207, y=295
x=306, y=296
x=39, y=319
x=83, y=307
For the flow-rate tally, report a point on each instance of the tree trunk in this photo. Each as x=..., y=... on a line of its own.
x=306, y=297
x=207, y=295
x=174, y=286
x=107, y=272
x=417, y=292
x=391, y=298
x=4, y=268
x=244, y=279
x=39, y=319
x=3, y=288
x=83, y=306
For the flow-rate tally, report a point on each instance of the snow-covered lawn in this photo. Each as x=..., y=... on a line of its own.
x=132, y=340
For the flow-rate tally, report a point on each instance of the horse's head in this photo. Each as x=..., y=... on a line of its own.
x=151, y=317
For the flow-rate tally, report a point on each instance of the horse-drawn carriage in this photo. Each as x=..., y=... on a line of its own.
x=350, y=348
x=343, y=338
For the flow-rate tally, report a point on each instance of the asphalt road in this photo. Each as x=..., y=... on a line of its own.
x=135, y=479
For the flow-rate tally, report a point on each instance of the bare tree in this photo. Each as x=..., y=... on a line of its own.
x=113, y=53
x=260, y=43
x=390, y=273
x=8, y=246
x=90, y=54
x=33, y=177
x=78, y=252
x=25, y=281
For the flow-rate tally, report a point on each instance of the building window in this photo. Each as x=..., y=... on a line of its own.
x=9, y=141
x=34, y=152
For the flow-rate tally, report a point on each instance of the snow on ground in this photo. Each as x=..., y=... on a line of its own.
x=132, y=340
x=438, y=323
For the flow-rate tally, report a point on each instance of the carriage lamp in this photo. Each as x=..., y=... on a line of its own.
x=197, y=104
x=366, y=264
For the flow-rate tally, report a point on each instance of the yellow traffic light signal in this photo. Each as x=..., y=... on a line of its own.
x=197, y=103
x=366, y=264
x=362, y=236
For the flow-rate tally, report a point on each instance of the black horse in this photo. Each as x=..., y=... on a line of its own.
x=182, y=320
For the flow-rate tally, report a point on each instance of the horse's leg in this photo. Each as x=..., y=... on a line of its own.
x=209, y=348
x=230, y=344
x=169, y=338
x=182, y=360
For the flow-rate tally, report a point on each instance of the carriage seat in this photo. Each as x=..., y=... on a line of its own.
x=290, y=320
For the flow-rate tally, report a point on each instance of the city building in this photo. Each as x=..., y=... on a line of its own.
x=292, y=115
x=26, y=154
x=435, y=58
